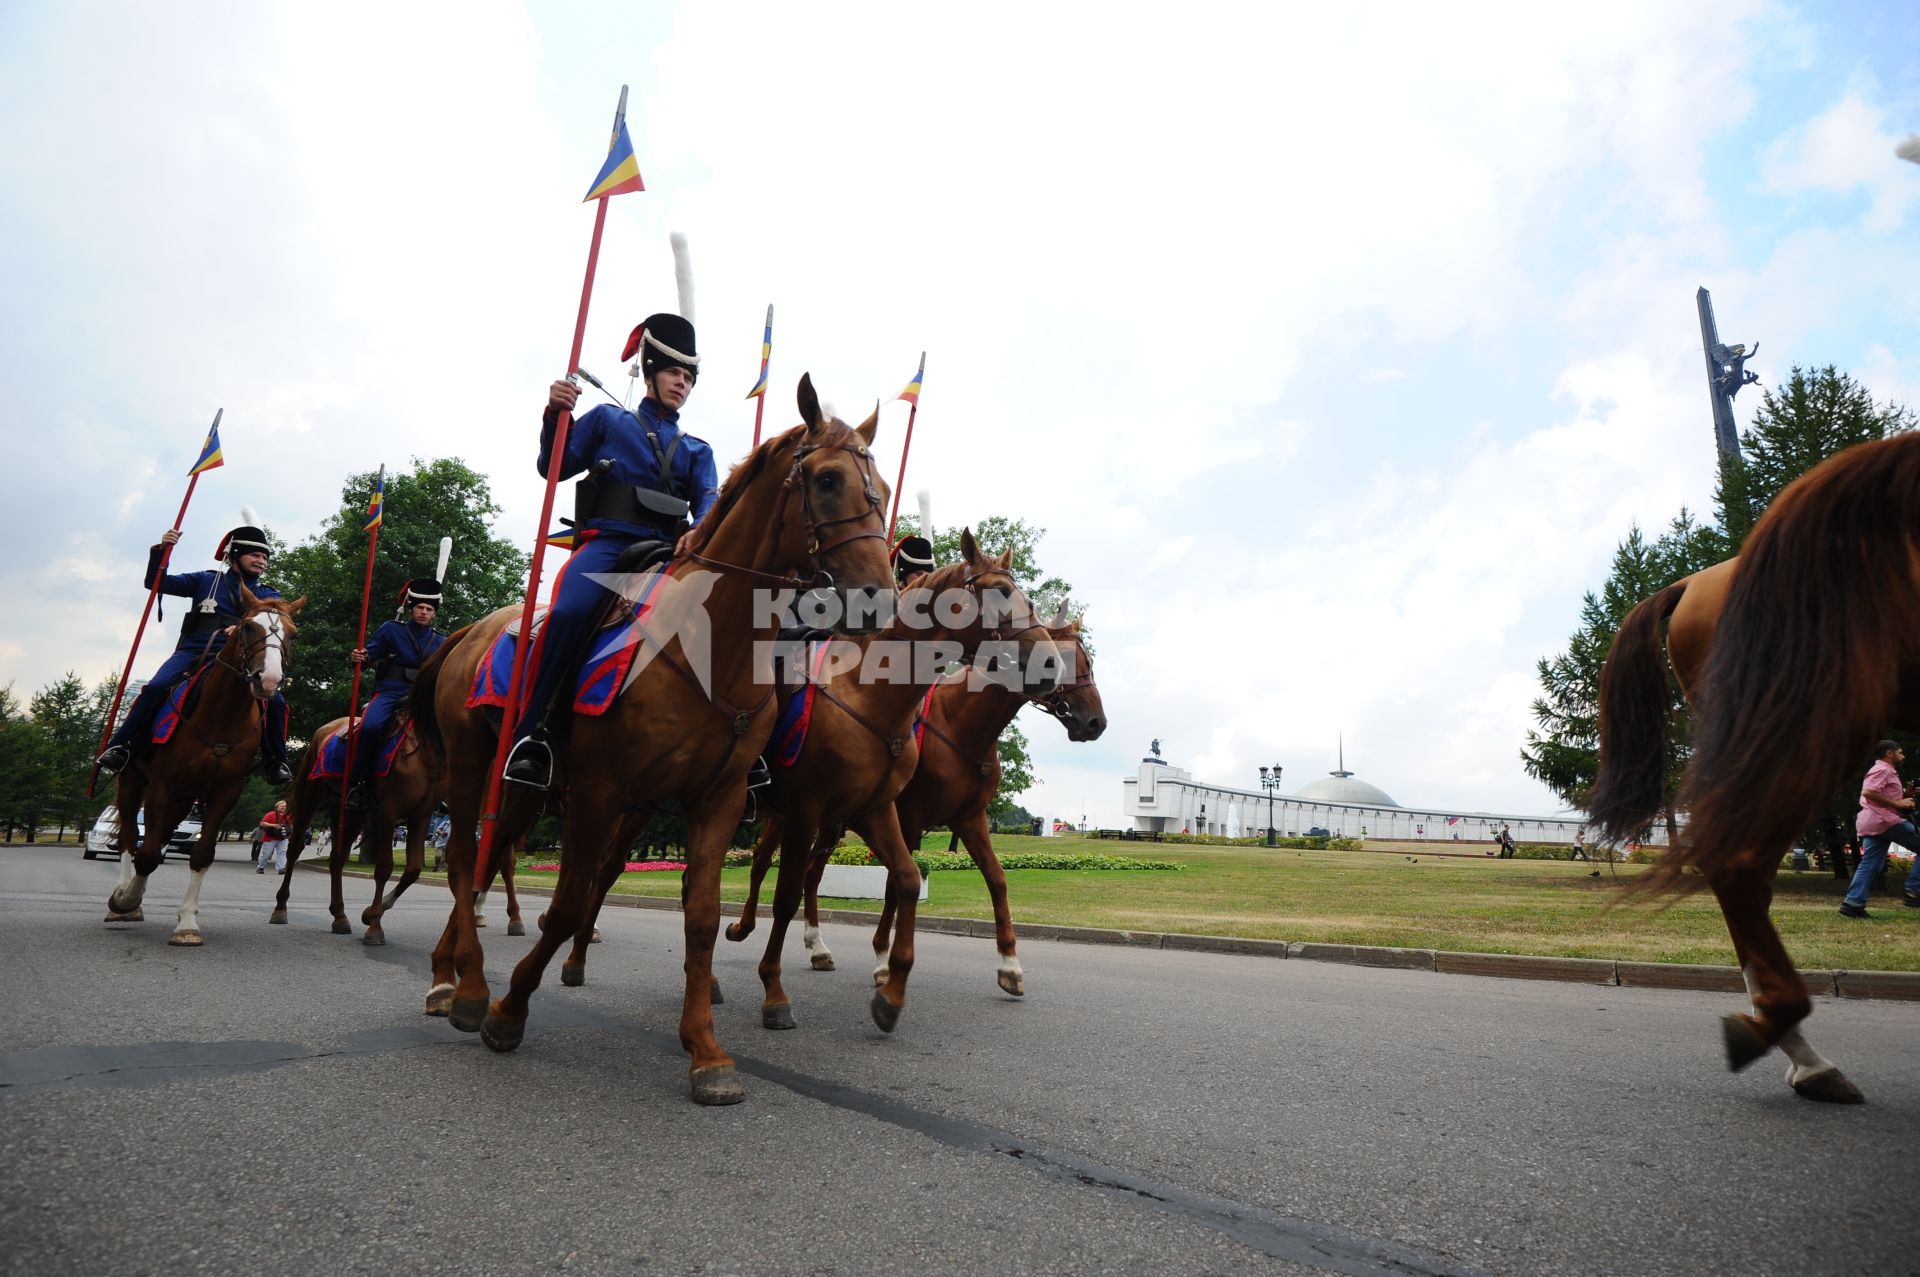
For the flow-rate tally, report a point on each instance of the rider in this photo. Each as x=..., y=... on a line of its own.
x=399, y=648
x=649, y=481
x=217, y=605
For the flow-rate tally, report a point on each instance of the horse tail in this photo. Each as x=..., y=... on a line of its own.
x=426, y=718
x=1633, y=721
x=1806, y=665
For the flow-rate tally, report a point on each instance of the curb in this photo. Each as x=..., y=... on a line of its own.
x=1883, y=986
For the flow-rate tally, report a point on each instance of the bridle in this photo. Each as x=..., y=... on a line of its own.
x=815, y=529
x=1054, y=702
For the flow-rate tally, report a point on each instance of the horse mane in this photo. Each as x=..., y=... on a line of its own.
x=1807, y=664
x=756, y=463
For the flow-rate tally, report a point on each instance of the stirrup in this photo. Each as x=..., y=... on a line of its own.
x=276, y=772
x=114, y=761
x=357, y=796
x=758, y=776
x=530, y=765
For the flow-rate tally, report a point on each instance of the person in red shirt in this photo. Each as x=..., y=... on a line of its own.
x=1886, y=817
x=272, y=833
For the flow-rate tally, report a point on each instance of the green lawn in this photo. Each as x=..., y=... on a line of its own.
x=1405, y=899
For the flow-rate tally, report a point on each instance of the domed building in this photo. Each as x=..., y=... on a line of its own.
x=1346, y=789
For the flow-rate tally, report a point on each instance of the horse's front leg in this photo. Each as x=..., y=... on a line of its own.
x=796, y=839
x=978, y=839
x=186, y=929
x=381, y=825
x=573, y=971
x=819, y=957
x=762, y=861
x=881, y=830
x=711, y=1072
x=356, y=825
x=416, y=861
x=585, y=847
x=137, y=863
x=515, y=927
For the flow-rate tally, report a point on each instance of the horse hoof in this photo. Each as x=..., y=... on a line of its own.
x=501, y=1035
x=717, y=1085
x=595, y=937
x=1013, y=982
x=279, y=918
x=138, y=915
x=440, y=999
x=1744, y=1044
x=714, y=996
x=822, y=961
x=737, y=933
x=777, y=1017
x=467, y=1014
x=1830, y=1086
x=885, y=1014
x=187, y=939
x=374, y=936
x=479, y=919
x=516, y=928
x=541, y=922
x=341, y=927
x=573, y=976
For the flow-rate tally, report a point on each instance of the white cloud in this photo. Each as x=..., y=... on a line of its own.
x=1843, y=149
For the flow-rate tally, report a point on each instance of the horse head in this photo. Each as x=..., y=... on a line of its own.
x=979, y=603
x=264, y=642
x=1075, y=700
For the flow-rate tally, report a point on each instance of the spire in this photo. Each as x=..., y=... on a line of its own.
x=1342, y=773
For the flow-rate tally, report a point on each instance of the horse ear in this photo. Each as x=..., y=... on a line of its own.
x=871, y=426
x=969, y=548
x=293, y=608
x=1005, y=560
x=809, y=403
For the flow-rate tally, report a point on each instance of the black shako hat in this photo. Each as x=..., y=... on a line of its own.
x=912, y=555
x=664, y=341
x=422, y=589
x=245, y=539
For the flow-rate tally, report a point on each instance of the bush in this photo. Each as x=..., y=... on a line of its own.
x=932, y=860
x=1315, y=843
x=853, y=855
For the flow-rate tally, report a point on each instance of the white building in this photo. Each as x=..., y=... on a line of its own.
x=1167, y=799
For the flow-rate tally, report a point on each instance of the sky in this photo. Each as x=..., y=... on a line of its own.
x=1335, y=346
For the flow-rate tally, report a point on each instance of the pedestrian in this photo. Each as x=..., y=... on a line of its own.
x=1507, y=845
x=1885, y=804
x=272, y=835
x=1579, y=851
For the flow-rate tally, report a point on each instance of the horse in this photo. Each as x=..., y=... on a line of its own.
x=806, y=499
x=207, y=759
x=1795, y=656
x=860, y=751
x=409, y=792
x=955, y=782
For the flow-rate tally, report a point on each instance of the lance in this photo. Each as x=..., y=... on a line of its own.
x=759, y=391
x=912, y=395
x=376, y=512
x=510, y=712
x=209, y=458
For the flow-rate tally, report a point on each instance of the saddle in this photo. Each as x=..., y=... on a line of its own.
x=615, y=610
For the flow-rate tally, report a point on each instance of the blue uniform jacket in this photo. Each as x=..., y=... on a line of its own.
x=611, y=432
x=222, y=588
x=402, y=645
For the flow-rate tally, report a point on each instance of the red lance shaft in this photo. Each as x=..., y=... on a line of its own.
x=556, y=459
x=359, y=642
x=153, y=592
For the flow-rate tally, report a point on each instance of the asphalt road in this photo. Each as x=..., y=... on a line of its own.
x=276, y=1102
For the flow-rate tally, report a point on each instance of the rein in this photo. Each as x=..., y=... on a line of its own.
x=796, y=477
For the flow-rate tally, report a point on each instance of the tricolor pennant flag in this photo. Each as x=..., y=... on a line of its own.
x=912, y=392
x=562, y=538
x=621, y=172
x=766, y=355
x=376, y=507
x=210, y=455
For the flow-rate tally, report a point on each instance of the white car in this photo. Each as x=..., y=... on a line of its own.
x=100, y=838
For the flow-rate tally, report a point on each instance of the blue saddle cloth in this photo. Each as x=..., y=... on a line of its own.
x=175, y=707
x=330, y=760
x=796, y=716
x=599, y=680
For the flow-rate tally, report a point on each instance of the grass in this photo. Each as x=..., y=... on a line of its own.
x=1407, y=897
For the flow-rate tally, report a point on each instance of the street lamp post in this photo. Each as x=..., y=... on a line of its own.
x=1270, y=781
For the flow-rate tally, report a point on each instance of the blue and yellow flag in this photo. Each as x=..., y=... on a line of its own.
x=375, y=507
x=912, y=393
x=621, y=172
x=210, y=456
x=766, y=355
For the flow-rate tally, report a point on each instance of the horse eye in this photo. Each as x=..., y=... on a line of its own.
x=828, y=481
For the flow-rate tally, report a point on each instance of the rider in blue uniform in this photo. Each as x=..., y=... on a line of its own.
x=646, y=481
x=216, y=605
x=398, y=649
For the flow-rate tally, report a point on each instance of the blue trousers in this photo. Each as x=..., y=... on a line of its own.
x=372, y=732
x=136, y=733
x=1873, y=854
x=577, y=599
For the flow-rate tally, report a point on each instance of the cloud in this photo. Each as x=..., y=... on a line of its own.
x=1841, y=150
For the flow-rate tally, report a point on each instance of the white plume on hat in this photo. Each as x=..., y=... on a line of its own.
x=926, y=514
x=1909, y=149
x=248, y=518
x=682, y=274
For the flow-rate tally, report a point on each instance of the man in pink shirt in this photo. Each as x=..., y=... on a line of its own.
x=1883, y=820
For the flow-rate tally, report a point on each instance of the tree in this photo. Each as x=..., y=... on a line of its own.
x=25, y=773
x=1016, y=773
x=70, y=727
x=437, y=498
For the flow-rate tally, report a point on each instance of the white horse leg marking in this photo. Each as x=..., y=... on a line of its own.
x=1803, y=1061
x=1010, y=965
x=189, y=920
x=815, y=946
x=881, y=969
x=480, y=909
x=130, y=890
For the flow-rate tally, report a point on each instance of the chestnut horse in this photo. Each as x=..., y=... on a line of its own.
x=410, y=792
x=207, y=760
x=1796, y=656
x=956, y=781
x=860, y=752
x=807, y=499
